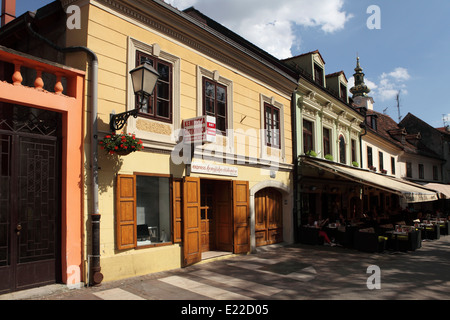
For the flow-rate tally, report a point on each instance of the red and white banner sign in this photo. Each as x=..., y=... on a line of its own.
x=199, y=130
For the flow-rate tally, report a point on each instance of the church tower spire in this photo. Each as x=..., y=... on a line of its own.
x=360, y=89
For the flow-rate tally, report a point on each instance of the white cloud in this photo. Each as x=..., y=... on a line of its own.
x=269, y=24
x=392, y=83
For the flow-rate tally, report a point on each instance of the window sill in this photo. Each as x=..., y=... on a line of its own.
x=154, y=245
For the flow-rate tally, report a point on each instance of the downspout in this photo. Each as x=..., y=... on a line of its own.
x=295, y=159
x=94, y=266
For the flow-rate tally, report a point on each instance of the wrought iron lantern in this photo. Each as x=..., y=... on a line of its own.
x=144, y=78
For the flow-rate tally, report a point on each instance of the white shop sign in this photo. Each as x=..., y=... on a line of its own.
x=215, y=169
x=200, y=129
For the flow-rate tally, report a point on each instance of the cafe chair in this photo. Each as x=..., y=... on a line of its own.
x=432, y=232
x=367, y=240
x=444, y=227
x=309, y=235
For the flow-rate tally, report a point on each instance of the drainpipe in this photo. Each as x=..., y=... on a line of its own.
x=295, y=159
x=94, y=266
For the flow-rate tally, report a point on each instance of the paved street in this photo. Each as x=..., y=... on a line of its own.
x=298, y=272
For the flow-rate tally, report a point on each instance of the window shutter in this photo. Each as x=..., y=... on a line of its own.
x=241, y=216
x=191, y=221
x=126, y=212
x=177, y=210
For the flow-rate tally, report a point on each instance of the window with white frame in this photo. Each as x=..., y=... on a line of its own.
x=272, y=126
x=164, y=106
x=159, y=105
x=342, y=150
x=308, y=136
x=216, y=99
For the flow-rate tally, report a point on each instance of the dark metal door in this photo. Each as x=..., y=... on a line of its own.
x=29, y=199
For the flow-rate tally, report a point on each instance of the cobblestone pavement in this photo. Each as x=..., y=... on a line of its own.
x=275, y=273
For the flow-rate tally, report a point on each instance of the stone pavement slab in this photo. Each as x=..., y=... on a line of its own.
x=282, y=273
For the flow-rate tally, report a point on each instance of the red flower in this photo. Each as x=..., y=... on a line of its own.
x=108, y=137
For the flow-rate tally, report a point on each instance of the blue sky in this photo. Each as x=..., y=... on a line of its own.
x=410, y=54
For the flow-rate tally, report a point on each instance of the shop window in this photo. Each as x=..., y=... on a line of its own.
x=153, y=210
x=308, y=144
x=272, y=126
x=143, y=211
x=159, y=106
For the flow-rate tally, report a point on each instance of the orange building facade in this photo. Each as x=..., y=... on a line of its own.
x=41, y=133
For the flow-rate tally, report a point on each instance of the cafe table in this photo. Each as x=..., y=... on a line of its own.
x=404, y=240
x=431, y=231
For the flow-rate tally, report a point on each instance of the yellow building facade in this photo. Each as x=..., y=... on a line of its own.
x=163, y=207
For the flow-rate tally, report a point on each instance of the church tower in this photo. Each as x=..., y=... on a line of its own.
x=360, y=90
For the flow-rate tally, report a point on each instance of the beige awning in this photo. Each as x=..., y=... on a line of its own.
x=442, y=189
x=411, y=192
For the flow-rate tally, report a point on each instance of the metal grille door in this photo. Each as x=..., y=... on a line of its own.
x=29, y=198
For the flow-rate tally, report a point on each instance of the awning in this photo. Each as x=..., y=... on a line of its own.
x=442, y=189
x=411, y=192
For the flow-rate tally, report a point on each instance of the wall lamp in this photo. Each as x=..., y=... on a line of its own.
x=144, y=80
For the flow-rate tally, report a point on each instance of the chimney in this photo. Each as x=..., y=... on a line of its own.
x=8, y=11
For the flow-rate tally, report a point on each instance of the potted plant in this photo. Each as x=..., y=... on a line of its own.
x=355, y=163
x=121, y=144
x=372, y=168
x=311, y=153
x=329, y=157
x=384, y=171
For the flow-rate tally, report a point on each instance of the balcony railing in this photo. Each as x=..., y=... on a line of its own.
x=22, y=69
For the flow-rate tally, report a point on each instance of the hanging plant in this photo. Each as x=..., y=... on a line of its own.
x=121, y=144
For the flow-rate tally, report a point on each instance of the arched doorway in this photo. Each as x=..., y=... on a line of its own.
x=268, y=217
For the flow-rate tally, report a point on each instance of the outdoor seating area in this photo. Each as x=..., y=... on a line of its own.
x=373, y=237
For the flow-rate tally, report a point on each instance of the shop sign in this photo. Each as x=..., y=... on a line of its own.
x=199, y=130
x=215, y=169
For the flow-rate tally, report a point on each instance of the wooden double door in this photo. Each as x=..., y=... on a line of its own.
x=268, y=217
x=30, y=192
x=215, y=217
